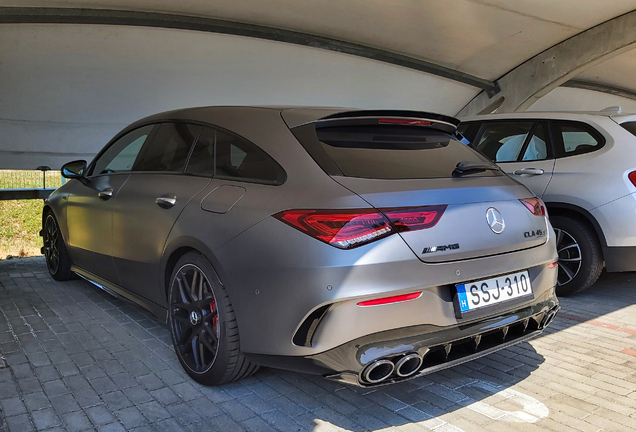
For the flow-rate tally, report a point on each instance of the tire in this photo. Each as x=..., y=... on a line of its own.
x=58, y=260
x=580, y=256
x=203, y=326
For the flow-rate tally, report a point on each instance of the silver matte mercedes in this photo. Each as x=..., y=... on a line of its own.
x=368, y=247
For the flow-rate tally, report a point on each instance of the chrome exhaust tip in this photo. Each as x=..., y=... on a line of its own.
x=378, y=371
x=549, y=316
x=408, y=365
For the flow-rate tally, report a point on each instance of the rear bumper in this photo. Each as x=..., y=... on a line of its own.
x=440, y=348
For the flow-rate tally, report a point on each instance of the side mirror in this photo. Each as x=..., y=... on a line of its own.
x=74, y=170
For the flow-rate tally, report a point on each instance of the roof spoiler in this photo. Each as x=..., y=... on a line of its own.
x=390, y=117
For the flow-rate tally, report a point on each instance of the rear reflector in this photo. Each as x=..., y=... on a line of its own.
x=393, y=299
x=632, y=177
x=347, y=229
x=535, y=205
x=408, y=122
x=553, y=265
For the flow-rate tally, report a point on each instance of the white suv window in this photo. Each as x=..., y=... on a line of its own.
x=577, y=138
x=509, y=142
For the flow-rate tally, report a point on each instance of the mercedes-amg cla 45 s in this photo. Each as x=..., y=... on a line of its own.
x=368, y=247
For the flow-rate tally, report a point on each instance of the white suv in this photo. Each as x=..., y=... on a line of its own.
x=583, y=165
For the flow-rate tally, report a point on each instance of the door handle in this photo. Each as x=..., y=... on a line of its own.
x=105, y=194
x=528, y=172
x=166, y=201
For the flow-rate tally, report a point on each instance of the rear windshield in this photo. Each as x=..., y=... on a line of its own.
x=630, y=127
x=387, y=152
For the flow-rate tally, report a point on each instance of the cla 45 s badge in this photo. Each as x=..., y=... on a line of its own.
x=535, y=233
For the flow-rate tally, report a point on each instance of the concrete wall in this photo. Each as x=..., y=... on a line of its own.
x=573, y=99
x=67, y=89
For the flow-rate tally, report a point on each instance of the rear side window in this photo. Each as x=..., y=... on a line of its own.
x=503, y=141
x=577, y=138
x=168, y=149
x=386, y=152
x=224, y=155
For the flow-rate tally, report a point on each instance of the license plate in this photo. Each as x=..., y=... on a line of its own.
x=479, y=294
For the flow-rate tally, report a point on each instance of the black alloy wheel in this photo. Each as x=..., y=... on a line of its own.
x=195, y=320
x=203, y=326
x=580, y=255
x=56, y=255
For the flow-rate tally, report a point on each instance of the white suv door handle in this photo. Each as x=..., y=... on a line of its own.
x=528, y=172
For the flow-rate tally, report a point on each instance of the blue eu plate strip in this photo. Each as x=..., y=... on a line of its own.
x=461, y=296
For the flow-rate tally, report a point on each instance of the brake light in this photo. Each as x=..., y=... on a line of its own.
x=392, y=299
x=340, y=228
x=346, y=229
x=535, y=205
x=408, y=122
x=632, y=177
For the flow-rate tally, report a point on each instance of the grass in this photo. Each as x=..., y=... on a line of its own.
x=21, y=221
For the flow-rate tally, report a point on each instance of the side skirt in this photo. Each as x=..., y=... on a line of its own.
x=158, y=311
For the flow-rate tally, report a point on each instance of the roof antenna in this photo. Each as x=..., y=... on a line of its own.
x=612, y=109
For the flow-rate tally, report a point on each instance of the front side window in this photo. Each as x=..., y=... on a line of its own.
x=577, y=138
x=168, y=149
x=121, y=155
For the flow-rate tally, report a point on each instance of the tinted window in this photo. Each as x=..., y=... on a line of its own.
x=202, y=158
x=121, y=155
x=630, y=127
x=389, y=152
x=503, y=141
x=168, y=149
x=537, y=147
x=236, y=158
x=577, y=138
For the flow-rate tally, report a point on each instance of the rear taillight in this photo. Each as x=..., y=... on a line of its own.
x=392, y=299
x=346, y=229
x=632, y=177
x=340, y=228
x=413, y=219
x=535, y=205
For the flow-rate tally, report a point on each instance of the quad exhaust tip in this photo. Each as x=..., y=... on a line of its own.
x=549, y=317
x=408, y=365
x=378, y=371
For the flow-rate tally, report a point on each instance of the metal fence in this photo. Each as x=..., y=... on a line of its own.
x=30, y=179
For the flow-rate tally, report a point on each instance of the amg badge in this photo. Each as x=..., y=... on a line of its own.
x=441, y=248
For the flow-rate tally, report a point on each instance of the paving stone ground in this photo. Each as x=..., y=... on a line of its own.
x=74, y=358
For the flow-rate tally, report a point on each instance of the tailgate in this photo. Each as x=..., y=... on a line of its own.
x=464, y=229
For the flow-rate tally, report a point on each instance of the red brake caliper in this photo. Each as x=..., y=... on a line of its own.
x=215, y=320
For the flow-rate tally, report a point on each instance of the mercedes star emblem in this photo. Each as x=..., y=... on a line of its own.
x=495, y=220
